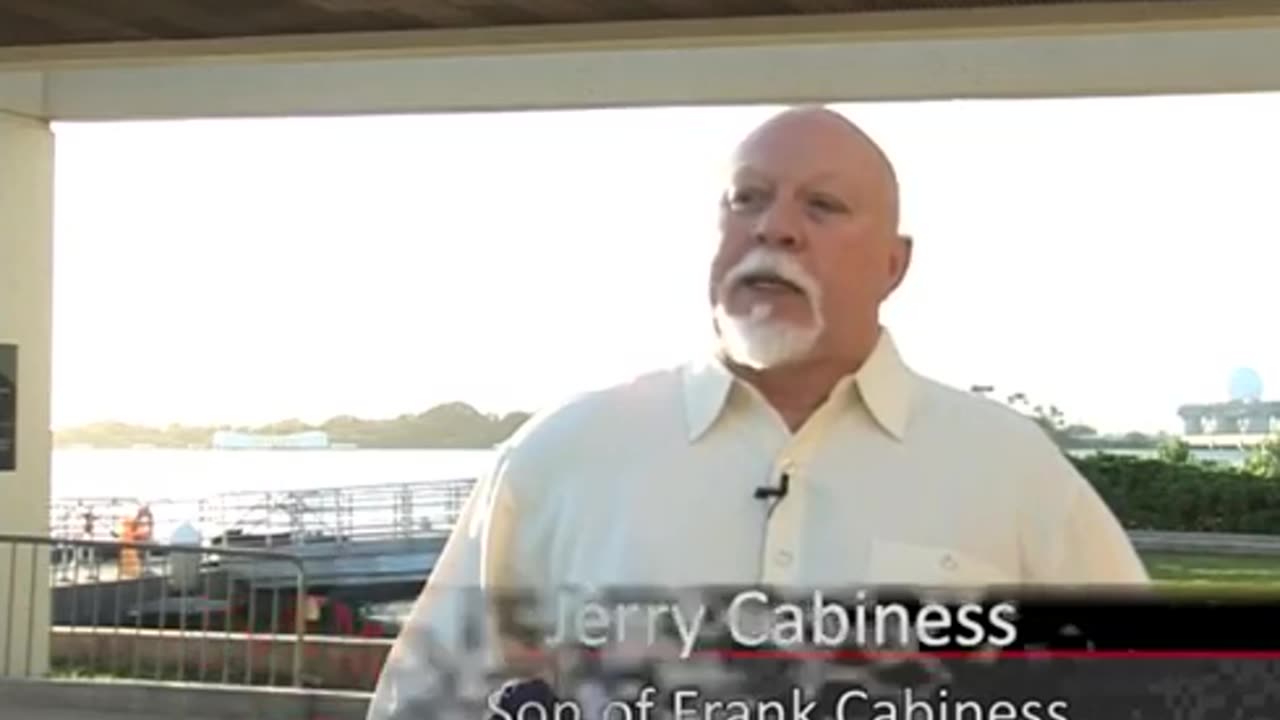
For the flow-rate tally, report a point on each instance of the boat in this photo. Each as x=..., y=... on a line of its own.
x=360, y=549
x=232, y=440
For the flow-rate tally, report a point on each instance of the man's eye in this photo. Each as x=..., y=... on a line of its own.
x=742, y=198
x=826, y=204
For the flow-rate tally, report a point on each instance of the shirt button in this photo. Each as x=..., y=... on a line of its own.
x=782, y=558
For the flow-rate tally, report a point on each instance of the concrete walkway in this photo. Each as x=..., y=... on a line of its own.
x=78, y=700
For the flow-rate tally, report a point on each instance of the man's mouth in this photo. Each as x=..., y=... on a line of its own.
x=769, y=282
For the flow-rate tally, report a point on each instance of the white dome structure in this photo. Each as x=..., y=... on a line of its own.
x=1246, y=385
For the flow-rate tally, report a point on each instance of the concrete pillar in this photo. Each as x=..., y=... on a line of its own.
x=26, y=302
x=1257, y=422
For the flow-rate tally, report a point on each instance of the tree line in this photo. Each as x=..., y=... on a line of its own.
x=459, y=425
x=454, y=425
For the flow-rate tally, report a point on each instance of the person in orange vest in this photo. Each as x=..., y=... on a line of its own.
x=128, y=556
x=136, y=529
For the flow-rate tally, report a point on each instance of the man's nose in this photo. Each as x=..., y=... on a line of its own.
x=780, y=227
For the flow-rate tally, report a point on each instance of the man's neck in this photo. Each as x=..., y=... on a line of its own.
x=797, y=391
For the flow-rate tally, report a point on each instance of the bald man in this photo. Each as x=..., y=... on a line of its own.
x=800, y=451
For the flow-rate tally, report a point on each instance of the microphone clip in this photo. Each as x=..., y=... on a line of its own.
x=779, y=492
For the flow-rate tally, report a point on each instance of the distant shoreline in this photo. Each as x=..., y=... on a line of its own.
x=452, y=426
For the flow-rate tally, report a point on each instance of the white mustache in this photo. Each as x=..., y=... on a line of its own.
x=772, y=262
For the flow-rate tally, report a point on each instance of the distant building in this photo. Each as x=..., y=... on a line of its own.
x=1237, y=417
x=1245, y=418
x=230, y=440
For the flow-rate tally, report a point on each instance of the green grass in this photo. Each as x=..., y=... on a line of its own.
x=1215, y=574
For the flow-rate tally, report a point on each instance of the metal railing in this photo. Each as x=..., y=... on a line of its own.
x=268, y=519
x=335, y=515
x=152, y=611
x=100, y=518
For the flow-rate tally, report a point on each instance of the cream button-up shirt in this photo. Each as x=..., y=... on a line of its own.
x=896, y=479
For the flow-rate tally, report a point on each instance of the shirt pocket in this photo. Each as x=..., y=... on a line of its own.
x=913, y=564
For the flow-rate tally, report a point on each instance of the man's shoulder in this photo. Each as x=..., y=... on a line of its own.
x=985, y=433
x=975, y=415
x=622, y=408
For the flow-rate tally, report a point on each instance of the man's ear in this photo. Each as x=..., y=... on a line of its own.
x=899, y=261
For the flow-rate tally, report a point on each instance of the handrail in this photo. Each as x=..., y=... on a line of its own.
x=141, y=549
x=394, y=511
x=1210, y=543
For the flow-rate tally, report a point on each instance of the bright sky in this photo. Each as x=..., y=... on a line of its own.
x=1115, y=257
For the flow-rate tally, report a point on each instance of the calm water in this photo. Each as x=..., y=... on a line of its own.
x=189, y=474
x=152, y=475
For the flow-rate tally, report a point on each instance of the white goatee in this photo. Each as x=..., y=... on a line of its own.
x=756, y=340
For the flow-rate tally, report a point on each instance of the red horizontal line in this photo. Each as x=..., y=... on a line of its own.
x=975, y=655
x=748, y=654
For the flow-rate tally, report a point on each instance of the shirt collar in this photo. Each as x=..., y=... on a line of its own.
x=707, y=383
x=884, y=382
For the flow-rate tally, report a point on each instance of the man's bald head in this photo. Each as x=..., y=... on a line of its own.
x=844, y=139
x=809, y=243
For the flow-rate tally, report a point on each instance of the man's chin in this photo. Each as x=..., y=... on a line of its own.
x=761, y=346
x=762, y=362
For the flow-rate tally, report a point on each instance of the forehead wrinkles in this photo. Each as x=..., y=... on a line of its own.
x=800, y=147
x=862, y=190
